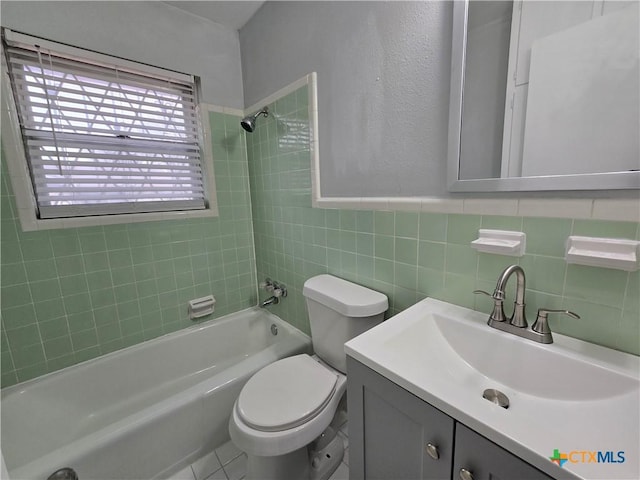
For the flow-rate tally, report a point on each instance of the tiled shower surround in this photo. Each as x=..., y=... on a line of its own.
x=73, y=294
x=69, y=295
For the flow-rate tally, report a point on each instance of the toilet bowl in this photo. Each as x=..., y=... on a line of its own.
x=286, y=407
x=310, y=393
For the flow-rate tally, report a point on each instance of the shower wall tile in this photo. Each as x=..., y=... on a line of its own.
x=73, y=294
x=409, y=256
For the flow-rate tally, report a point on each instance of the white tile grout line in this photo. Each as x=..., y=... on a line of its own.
x=622, y=209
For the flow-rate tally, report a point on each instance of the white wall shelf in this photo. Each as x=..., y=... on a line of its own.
x=617, y=253
x=500, y=242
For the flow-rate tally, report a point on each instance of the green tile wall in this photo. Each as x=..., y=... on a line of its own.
x=73, y=294
x=409, y=256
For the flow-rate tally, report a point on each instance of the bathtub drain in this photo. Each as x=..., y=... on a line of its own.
x=274, y=329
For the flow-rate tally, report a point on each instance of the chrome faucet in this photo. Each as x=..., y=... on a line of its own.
x=270, y=301
x=517, y=323
x=277, y=289
x=518, y=318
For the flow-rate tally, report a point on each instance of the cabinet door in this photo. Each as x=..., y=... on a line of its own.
x=484, y=460
x=392, y=433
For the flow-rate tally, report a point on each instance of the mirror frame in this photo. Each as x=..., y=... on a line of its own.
x=590, y=181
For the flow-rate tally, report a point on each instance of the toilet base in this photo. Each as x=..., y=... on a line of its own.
x=299, y=464
x=324, y=462
x=294, y=465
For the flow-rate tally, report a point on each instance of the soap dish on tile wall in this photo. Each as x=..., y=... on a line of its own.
x=500, y=242
x=200, y=307
x=617, y=253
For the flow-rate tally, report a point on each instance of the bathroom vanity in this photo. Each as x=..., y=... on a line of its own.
x=407, y=438
x=417, y=410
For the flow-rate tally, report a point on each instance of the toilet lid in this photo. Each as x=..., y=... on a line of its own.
x=286, y=393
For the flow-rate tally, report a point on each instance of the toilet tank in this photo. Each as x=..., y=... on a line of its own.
x=339, y=311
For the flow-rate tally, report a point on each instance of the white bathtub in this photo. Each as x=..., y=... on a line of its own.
x=143, y=412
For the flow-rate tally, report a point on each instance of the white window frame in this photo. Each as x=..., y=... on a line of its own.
x=17, y=163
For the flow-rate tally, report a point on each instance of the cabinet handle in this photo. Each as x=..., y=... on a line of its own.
x=432, y=450
x=465, y=474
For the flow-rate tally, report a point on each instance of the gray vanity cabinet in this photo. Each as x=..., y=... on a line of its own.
x=484, y=460
x=395, y=434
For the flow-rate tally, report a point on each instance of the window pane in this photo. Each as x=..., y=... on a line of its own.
x=95, y=135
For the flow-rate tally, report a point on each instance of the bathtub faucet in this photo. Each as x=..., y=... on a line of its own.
x=270, y=301
x=277, y=289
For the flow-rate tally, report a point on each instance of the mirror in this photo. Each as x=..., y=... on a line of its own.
x=544, y=96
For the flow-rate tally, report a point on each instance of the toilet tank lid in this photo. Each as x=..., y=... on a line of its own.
x=345, y=297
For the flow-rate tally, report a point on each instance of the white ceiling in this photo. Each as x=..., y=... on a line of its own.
x=233, y=14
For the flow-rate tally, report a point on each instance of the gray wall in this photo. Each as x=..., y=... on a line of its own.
x=383, y=87
x=147, y=32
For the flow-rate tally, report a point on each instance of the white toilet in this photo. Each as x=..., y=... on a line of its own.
x=288, y=405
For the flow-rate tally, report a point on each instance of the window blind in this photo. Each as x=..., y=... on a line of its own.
x=105, y=140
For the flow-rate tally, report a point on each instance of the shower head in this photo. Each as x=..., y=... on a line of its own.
x=249, y=122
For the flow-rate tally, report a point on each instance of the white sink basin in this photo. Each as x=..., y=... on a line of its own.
x=569, y=395
x=520, y=364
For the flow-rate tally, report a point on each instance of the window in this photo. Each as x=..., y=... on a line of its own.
x=101, y=136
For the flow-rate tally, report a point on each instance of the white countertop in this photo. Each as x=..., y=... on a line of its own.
x=410, y=350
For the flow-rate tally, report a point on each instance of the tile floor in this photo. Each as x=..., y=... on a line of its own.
x=228, y=462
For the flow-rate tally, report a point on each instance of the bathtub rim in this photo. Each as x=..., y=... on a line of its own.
x=160, y=339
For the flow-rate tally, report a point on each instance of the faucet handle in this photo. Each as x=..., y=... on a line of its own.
x=267, y=285
x=496, y=295
x=279, y=290
x=497, y=315
x=483, y=292
x=542, y=326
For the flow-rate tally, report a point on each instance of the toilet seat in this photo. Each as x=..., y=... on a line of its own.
x=286, y=394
